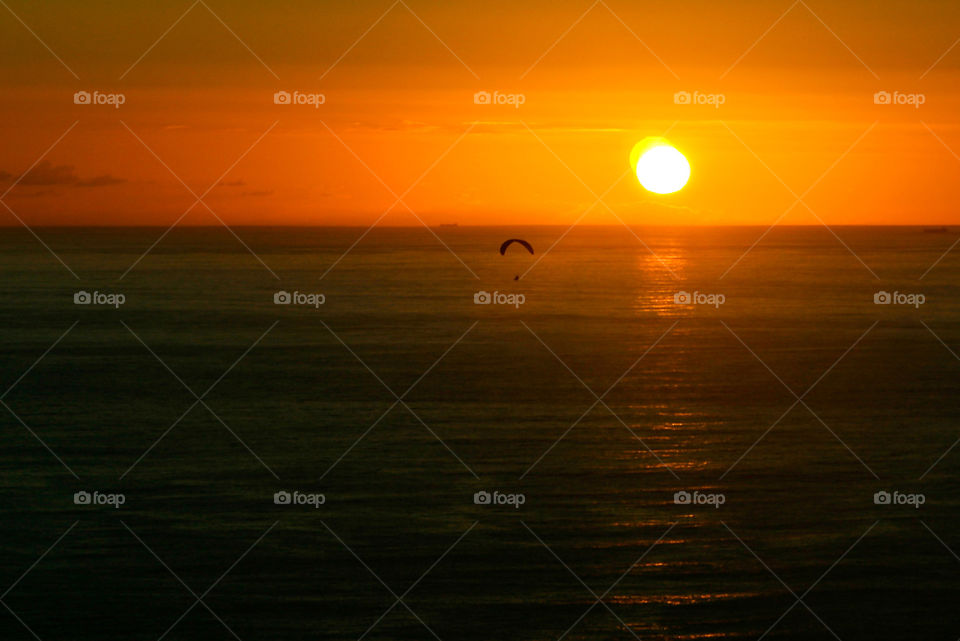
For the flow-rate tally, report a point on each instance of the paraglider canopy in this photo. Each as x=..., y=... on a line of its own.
x=507, y=243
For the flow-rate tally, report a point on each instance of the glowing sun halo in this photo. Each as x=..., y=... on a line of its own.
x=660, y=167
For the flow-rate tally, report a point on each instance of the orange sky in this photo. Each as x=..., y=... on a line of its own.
x=798, y=89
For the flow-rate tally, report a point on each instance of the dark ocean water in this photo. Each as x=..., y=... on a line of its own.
x=493, y=398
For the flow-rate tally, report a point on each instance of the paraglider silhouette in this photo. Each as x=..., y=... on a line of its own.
x=507, y=243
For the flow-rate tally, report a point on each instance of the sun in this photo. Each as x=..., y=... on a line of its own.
x=660, y=167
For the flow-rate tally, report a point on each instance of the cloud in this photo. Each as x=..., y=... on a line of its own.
x=46, y=174
x=101, y=181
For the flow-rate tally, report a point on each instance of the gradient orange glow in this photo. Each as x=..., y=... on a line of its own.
x=798, y=119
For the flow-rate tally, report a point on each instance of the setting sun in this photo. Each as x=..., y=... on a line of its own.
x=659, y=166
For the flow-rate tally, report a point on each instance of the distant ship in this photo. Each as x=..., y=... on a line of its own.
x=935, y=230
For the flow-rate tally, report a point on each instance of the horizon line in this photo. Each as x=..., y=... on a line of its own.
x=932, y=225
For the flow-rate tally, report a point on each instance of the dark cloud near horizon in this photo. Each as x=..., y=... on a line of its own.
x=46, y=174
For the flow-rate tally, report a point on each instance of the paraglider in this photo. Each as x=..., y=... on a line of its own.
x=507, y=243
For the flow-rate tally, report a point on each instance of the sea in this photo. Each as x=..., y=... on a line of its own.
x=401, y=433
